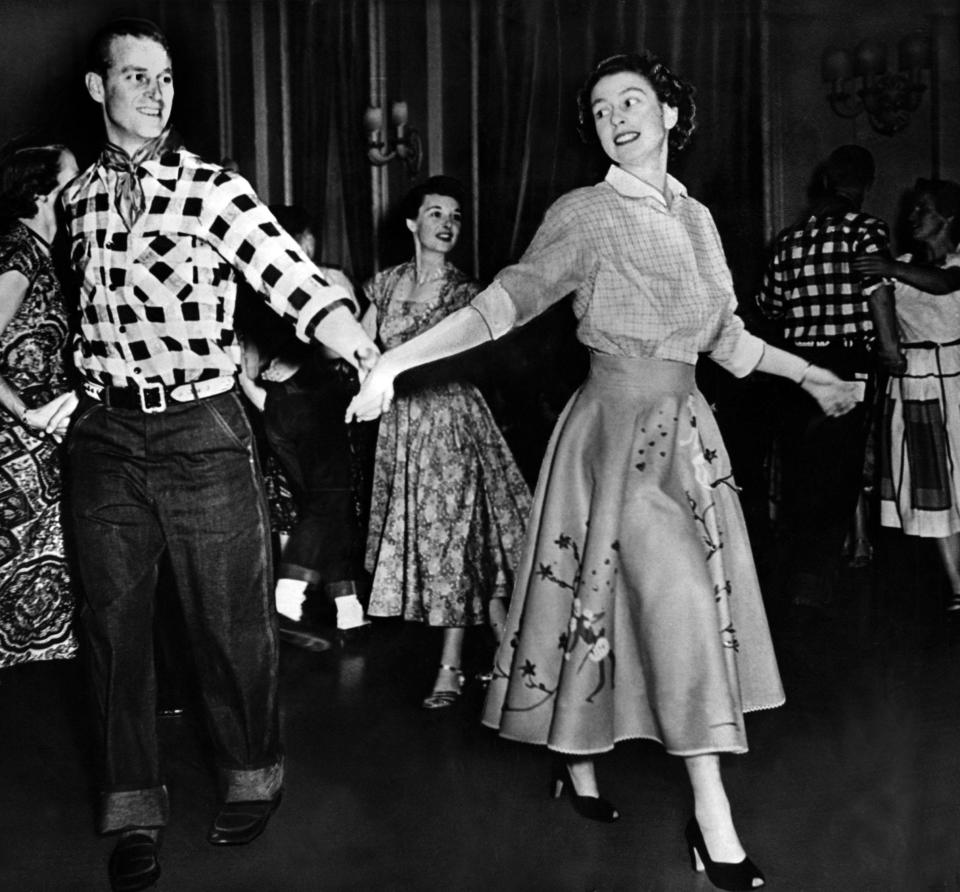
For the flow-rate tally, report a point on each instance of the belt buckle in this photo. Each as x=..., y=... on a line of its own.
x=153, y=398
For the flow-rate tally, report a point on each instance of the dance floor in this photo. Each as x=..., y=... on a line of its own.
x=854, y=784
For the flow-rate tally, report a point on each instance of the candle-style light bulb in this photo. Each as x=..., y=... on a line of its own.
x=373, y=119
x=871, y=58
x=398, y=114
x=836, y=65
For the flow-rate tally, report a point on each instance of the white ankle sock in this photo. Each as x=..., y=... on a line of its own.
x=290, y=595
x=349, y=612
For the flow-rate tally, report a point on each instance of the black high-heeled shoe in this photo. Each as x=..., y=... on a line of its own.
x=596, y=808
x=734, y=877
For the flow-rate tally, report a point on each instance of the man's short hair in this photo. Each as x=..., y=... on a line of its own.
x=98, y=57
x=849, y=167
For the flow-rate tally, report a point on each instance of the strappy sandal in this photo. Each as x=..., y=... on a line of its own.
x=443, y=699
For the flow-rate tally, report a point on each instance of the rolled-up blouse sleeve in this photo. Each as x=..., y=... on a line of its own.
x=554, y=264
x=738, y=351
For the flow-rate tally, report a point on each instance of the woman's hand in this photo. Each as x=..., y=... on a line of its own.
x=835, y=396
x=873, y=265
x=376, y=393
x=53, y=418
x=366, y=361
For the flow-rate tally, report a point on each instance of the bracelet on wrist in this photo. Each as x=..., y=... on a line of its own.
x=803, y=374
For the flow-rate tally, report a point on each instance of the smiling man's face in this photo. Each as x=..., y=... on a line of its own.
x=136, y=92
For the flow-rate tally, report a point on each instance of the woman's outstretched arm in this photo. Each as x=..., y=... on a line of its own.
x=460, y=331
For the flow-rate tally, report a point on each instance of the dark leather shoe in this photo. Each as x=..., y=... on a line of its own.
x=303, y=635
x=134, y=863
x=355, y=636
x=238, y=823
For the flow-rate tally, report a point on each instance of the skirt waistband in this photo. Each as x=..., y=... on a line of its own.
x=641, y=374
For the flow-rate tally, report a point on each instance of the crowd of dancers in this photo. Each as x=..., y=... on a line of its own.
x=148, y=445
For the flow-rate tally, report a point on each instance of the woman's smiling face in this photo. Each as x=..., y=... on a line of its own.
x=632, y=124
x=437, y=226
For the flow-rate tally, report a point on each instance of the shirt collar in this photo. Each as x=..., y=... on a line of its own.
x=163, y=170
x=629, y=186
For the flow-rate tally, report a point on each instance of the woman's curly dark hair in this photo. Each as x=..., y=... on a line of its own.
x=435, y=185
x=670, y=89
x=26, y=174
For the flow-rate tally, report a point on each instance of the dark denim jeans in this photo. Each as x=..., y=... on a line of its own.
x=304, y=420
x=184, y=483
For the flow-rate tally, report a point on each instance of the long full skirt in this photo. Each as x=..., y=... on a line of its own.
x=36, y=598
x=637, y=612
x=448, y=511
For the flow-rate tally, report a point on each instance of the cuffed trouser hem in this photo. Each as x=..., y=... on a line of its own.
x=295, y=571
x=251, y=785
x=126, y=809
x=341, y=589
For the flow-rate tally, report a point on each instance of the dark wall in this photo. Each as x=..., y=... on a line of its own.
x=43, y=47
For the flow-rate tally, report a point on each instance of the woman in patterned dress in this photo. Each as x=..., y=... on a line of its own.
x=920, y=432
x=36, y=600
x=449, y=505
x=637, y=612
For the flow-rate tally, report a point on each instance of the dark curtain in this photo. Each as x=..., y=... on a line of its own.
x=535, y=54
x=329, y=95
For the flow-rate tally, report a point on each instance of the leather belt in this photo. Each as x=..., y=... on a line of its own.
x=153, y=398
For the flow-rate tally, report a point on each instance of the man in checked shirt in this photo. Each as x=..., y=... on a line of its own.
x=161, y=455
x=834, y=319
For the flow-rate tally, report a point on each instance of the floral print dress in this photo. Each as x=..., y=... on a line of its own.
x=36, y=599
x=449, y=505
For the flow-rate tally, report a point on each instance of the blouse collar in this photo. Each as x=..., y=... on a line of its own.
x=632, y=187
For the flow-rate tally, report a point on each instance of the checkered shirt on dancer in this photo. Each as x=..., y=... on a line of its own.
x=157, y=302
x=809, y=285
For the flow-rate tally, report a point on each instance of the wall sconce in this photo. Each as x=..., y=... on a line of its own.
x=888, y=99
x=404, y=145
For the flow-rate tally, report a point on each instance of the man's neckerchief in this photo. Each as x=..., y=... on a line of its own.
x=128, y=196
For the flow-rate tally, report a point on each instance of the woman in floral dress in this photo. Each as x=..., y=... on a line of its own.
x=449, y=505
x=637, y=612
x=36, y=600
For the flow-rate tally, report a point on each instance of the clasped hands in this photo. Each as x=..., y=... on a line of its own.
x=52, y=418
x=376, y=387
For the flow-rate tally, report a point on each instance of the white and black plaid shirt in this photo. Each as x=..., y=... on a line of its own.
x=157, y=301
x=809, y=285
